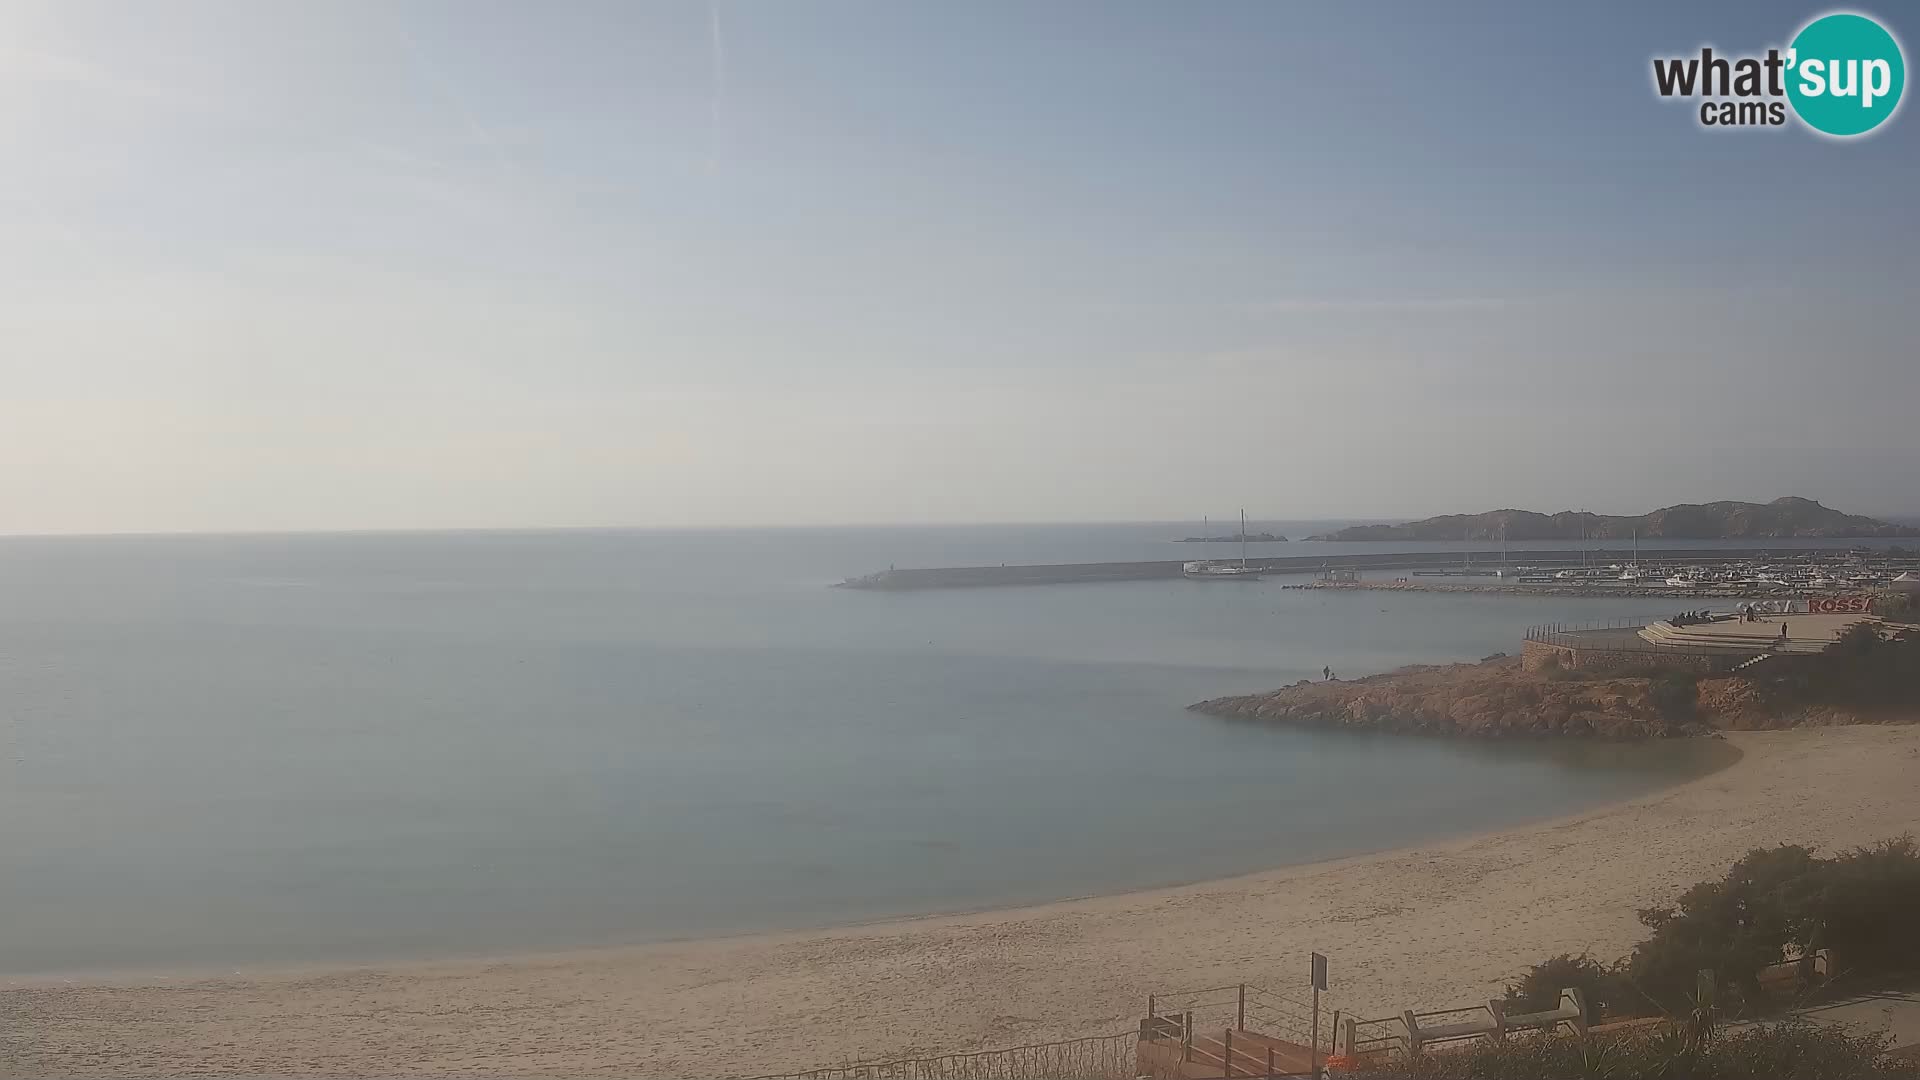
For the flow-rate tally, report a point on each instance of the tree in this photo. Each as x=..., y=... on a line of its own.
x=1735, y=926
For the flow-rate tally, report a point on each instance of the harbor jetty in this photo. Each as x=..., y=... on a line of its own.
x=1546, y=560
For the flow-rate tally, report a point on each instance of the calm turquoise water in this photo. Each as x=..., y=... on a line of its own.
x=228, y=751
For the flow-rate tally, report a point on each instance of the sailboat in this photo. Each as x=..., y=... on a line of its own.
x=1205, y=570
x=1632, y=572
x=1504, y=570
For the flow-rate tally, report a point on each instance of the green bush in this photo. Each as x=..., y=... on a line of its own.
x=1772, y=904
x=1801, y=1051
x=1608, y=991
x=1897, y=606
x=1859, y=640
x=1869, y=908
x=1676, y=694
x=1733, y=927
x=1864, y=668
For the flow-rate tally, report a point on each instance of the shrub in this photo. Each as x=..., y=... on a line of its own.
x=1735, y=926
x=1772, y=904
x=1676, y=694
x=1606, y=989
x=1860, y=639
x=1869, y=908
x=1799, y=1050
x=1897, y=606
x=1864, y=667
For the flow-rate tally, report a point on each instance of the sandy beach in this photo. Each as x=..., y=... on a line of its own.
x=1435, y=925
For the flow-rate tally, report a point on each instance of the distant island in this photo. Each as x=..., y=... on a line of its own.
x=1781, y=518
x=1251, y=538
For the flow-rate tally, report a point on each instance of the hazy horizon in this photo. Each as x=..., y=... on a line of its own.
x=694, y=264
x=1229, y=519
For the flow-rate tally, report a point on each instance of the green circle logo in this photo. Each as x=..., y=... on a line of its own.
x=1845, y=74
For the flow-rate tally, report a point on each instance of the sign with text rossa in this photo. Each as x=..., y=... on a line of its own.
x=1857, y=604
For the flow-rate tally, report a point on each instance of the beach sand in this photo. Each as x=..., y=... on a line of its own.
x=1437, y=925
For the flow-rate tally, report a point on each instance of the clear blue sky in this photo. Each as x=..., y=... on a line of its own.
x=344, y=265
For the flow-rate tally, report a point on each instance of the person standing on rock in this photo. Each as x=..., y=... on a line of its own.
x=1327, y=673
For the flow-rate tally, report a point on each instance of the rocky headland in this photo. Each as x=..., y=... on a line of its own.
x=1497, y=699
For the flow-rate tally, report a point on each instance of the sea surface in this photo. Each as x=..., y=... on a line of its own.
x=233, y=751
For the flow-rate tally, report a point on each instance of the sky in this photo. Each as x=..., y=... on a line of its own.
x=680, y=263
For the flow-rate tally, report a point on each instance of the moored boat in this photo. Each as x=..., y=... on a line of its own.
x=1208, y=570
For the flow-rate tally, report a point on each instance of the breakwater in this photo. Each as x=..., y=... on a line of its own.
x=950, y=577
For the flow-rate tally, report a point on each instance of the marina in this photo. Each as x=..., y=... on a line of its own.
x=1677, y=572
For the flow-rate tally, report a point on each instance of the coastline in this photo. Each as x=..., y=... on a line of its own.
x=178, y=975
x=1424, y=926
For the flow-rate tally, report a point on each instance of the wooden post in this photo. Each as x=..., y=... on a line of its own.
x=1226, y=1054
x=1240, y=1013
x=1499, y=1010
x=1150, y=1009
x=1186, y=1037
x=1333, y=1036
x=1269, y=1063
x=1314, y=1056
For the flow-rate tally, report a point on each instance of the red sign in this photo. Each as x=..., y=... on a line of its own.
x=1858, y=604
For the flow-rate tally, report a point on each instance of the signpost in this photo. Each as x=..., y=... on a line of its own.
x=1319, y=984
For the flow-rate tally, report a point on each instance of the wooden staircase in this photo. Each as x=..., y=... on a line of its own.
x=1219, y=1053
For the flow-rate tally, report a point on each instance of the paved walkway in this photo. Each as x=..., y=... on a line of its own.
x=1897, y=1013
x=1805, y=633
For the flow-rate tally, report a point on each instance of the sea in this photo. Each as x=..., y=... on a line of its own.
x=234, y=752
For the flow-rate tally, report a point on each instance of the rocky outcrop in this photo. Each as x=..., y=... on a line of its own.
x=1781, y=518
x=1491, y=699
x=1499, y=698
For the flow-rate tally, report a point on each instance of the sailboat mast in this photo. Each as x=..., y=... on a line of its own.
x=1243, y=538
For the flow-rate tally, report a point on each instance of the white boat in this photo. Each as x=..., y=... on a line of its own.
x=1685, y=581
x=1208, y=570
x=1631, y=573
x=1216, y=571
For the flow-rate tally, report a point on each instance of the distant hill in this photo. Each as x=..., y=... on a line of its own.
x=1789, y=517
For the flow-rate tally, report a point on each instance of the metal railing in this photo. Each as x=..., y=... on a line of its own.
x=1579, y=636
x=1102, y=1057
x=1242, y=1006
